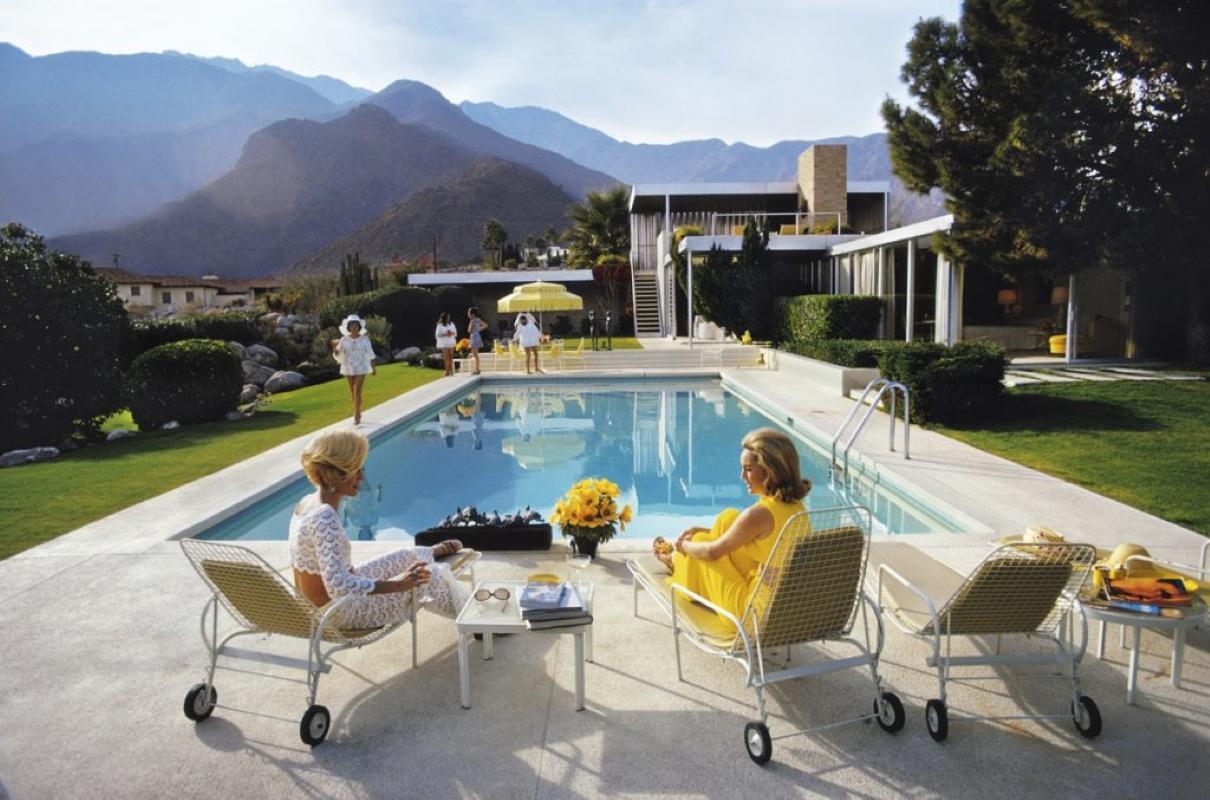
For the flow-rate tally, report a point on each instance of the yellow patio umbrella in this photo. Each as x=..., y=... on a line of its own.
x=539, y=296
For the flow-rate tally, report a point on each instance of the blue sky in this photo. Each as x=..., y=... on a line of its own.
x=641, y=70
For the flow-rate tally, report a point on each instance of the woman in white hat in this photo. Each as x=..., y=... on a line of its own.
x=356, y=358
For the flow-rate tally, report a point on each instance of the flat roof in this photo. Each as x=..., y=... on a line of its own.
x=896, y=235
x=649, y=196
x=500, y=276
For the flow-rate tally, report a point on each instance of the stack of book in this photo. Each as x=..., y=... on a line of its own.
x=1158, y=596
x=552, y=605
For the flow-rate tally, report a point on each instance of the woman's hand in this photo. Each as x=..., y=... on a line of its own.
x=685, y=537
x=416, y=575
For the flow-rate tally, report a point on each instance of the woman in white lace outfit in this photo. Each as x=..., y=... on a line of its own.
x=355, y=355
x=379, y=590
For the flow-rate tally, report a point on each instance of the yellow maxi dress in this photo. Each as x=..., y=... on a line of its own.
x=728, y=581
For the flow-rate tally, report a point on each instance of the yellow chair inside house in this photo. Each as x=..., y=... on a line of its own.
x=737, y=230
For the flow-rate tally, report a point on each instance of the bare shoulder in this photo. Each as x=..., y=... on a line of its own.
x=756, y=519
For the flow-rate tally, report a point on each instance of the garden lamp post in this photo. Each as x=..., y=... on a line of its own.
x=592, y=328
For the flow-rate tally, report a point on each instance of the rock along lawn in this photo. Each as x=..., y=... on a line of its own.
x=40, y=501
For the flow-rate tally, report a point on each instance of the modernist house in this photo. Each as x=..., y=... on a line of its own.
x=165, y=294
x=926, y=296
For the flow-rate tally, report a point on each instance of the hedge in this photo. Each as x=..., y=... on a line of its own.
x=949, y=385
x=231, y=326
x=844, y=352
x=195, y=380
x=811, y=317
x=411, y=311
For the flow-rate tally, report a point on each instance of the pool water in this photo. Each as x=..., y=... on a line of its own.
x=672, y=446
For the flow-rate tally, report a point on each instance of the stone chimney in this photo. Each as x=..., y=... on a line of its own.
x=823, y=180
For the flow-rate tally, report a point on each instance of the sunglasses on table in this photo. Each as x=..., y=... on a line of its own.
x=484, y=595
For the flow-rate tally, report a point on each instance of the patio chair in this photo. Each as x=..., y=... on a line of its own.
x=809, y=591
x=1022, y=589
x=261, y=601
x=576, y=356
x=516, y=356
x=554, y=354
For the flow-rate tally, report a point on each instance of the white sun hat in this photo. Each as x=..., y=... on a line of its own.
x=344, y=325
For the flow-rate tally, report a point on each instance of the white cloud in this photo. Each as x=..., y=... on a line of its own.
x=643, y=70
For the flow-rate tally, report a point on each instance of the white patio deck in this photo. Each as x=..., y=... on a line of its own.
x=100, y=641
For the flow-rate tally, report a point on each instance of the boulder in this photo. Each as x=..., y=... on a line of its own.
x=234, y=416
x=269, y=319
x=239, y=349
x=302, y=330
x=67, y=445
x=408, y=354
x=171, y=425
x=284, y=381
x=261, y=354
x=120, y=433
x=15, y=458
x=282, y=330
x=249, y=393
x=257, y=373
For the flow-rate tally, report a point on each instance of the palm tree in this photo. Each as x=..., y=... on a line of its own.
x=494, y=237
x=601, y=227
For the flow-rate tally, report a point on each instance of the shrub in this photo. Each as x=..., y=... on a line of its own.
x=811, y=317
x=228, y=326
x=947, y=385
x=151, y=333
x=411, y=311
x=64, y=339
x=289, y=352
x=195, y=380
x=845, y=352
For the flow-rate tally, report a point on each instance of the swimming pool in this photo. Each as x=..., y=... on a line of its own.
x=671, y=445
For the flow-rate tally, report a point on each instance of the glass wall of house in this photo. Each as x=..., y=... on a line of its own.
x=924, y=294
x=1019, y=313
x=1103, y=300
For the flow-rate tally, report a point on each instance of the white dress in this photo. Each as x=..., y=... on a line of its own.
x=529, y=335
x=320, y=546
x=446, y=336
x=356, y=356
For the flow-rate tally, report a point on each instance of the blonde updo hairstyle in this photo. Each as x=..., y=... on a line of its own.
x=776, y=452
x=332, y=457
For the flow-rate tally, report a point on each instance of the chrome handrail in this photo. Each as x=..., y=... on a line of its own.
x=883, y=385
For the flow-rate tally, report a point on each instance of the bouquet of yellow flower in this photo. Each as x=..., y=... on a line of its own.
x=463, y=346
x=589, y=511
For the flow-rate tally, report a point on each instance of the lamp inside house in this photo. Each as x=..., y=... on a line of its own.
x=1058, y=298
x=1008, y=298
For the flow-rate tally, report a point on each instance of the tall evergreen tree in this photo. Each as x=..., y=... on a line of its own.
x=1066, y=134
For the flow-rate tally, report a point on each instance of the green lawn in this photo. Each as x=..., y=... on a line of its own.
x=40, y=501
x=1146, y=444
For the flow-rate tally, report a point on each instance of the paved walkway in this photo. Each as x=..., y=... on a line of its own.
x=99, y=641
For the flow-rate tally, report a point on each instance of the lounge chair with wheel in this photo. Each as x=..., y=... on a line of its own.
x=1021, y=589
x=261, y=601
x=810, y=591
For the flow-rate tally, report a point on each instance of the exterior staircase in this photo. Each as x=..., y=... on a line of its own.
x=646, y=289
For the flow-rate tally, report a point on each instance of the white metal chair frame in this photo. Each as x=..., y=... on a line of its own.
x=749, y=650
x=201, y=700
x=1054, y=628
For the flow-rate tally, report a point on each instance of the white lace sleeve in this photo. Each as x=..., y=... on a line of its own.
x=331, y=544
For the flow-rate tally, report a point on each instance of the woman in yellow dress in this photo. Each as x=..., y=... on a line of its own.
x=723, y=564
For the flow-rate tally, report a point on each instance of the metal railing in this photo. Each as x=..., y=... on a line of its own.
x=724, y=224
x=884, y=385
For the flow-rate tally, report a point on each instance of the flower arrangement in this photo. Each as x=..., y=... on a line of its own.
x=589, y=511
x=463, y=346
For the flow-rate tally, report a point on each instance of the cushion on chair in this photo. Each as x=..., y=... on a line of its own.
x=928, y=574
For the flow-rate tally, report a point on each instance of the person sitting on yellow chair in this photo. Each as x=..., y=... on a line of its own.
x=723, y=564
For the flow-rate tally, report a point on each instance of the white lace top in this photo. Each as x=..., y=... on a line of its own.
x=319, y=545
x=356, y=355
x=447, y=335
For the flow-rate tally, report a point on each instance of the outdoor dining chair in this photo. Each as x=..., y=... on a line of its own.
x=261, y=601
x=1021, y=589
x=553, y=356
x=810, y=591
x=575, y=356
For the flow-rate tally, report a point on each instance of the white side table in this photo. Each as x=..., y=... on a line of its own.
x=494, y=616
x=1137, y=621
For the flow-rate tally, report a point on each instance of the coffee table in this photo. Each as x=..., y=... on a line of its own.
x=1137, y=621
x=490, y=617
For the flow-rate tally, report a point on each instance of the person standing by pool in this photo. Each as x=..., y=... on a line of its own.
x=529, y=338
x=724, y=563
x=447, y=336
x=355, y=355
x=474, y=328
x=378, y=592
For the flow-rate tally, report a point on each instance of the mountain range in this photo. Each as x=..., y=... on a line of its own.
x=185, y=164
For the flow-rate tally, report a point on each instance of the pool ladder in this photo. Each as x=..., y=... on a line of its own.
x=884, y=386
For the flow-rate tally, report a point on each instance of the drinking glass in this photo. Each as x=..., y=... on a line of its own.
x=577, y=563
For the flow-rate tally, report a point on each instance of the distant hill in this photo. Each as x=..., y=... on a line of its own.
x=89, y=140
x=298, y=186
x=690, y=161
x=524, y=201
x=333, y=89
x=415, y=102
